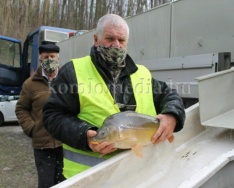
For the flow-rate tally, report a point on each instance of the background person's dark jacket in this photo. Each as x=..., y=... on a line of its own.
x=60, y=113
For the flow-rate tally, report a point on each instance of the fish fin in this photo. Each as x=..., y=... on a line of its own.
x=137, y=149
x=171, y=139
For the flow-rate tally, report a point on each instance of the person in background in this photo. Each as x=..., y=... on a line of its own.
x=48, y=151
x=87, y=90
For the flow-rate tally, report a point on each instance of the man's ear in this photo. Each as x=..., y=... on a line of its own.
x=95, y=37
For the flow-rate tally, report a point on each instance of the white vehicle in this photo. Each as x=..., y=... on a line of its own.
x=7, y=108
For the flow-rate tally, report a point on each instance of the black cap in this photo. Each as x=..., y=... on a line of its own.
x=48, y=48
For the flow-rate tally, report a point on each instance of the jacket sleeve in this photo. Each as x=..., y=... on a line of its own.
x=60, y=112
x=23, y=110
x=168, y=101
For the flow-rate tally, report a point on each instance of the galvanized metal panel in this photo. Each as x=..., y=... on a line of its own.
x=202, y=26
x=180, y=72
x=149, y=37
x=182, y=28
x=75, y=47
x=216, y=93
x=222, y=177
x=149, y=34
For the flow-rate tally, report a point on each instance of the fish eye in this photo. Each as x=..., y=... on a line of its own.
x=102, y=132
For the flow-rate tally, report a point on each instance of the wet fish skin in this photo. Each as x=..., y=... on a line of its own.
x=127, y=130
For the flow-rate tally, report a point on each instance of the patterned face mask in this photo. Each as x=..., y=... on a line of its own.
x=114, y=56
x=50, y=65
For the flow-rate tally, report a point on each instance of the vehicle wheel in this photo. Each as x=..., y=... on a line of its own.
x=1, y=119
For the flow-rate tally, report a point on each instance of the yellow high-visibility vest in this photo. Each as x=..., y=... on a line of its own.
x=97, y=103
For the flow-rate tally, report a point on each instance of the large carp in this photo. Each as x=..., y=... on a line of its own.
x=128, y=130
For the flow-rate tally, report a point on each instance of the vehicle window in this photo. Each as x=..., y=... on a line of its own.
x=3, y=98
x=9, y=53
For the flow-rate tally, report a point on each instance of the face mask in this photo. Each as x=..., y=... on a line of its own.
x=50, y=65
x=114, y=56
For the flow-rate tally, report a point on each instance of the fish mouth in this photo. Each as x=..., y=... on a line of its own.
x=94, y=142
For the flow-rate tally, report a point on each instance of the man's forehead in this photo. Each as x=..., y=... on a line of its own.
x=115, y=26
x=46, y=54
x=49, y=53
x=115, y=33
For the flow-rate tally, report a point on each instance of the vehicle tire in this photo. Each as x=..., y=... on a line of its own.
x=1, y=119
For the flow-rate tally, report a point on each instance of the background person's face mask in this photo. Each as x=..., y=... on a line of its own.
x=114, y=56
x=50, y=65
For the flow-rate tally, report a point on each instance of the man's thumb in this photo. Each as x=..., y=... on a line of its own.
x=91, y=133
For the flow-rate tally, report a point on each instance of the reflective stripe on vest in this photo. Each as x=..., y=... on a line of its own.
x=97, y=103
x=82, y=158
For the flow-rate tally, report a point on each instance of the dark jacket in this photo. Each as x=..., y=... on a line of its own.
x=60, y=113
x=33, y=96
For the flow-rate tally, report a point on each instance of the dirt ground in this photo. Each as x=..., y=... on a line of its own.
x=17, y=168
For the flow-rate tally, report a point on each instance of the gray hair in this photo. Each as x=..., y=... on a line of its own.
x=112, y=19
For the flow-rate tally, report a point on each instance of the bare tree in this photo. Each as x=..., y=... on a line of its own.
x=6, y=16
x=54, y=18
x=82, y=19
x=91, y=13
x=46, y=12
x=101, y=9
x=131, y=8
x=120, y=8
x=64, y=2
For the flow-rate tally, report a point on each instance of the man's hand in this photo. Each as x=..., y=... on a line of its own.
x=102, y=148
x=166, y=128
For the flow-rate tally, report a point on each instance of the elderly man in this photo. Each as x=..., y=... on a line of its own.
x=48, y=151
x=106, y=84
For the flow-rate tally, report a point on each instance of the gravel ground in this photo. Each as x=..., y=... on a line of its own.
x=17, y=168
